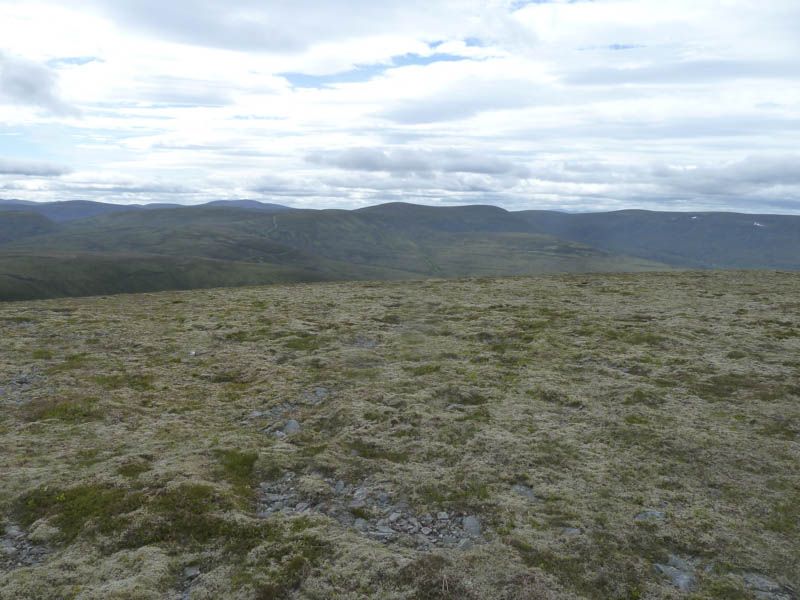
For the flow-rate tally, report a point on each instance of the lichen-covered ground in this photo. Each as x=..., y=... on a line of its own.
x=582, y=436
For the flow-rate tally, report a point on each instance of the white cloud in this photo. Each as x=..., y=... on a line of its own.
x=554, y=104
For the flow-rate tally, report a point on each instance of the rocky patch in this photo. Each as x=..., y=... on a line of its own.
x=374, y=514
x=680, y=573
x=766, y=589
x=17, y=550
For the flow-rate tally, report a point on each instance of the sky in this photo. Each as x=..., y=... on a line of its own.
x=567, y=105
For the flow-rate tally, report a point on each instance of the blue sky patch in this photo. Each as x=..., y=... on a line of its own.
x=72, y=60
x=366, y=72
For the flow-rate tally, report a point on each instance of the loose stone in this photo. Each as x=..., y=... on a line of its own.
x=650, y=515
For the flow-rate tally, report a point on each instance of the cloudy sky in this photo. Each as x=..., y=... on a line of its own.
x=572, y=105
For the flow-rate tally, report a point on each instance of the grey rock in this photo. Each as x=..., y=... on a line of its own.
x=14, y=531
x=570, y=531
x=442, y=516
x=191, y=572
x=255, y=414
x=465, y=544
x=291, y=426
x=454, y=406
x=301, y=507
x=426, y=530
x=684, y=581
x=471, y=525
x=339, y=487
x=357, y=504
x=383, y=498
x=524, y=490
x=361, y=493
x=385, y=529
x=276, y=497
x=9, y=550
x=679, y=563
x=394, y=516
x=650, y=515
x=767, y=589
x=279, y=434
x=361, y=524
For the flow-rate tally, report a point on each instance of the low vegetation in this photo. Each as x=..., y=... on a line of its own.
x=599, y=428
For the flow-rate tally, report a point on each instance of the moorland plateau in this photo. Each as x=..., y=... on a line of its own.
x=578, y=436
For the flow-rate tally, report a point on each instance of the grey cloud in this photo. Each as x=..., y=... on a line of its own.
x=465, y=99
x=32, y=84
x=10, y=166
x=421, y=162
x=701, y=71
x=275, y=185
x=753, y=174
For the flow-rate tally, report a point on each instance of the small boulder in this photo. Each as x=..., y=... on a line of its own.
x=191, y=572
x=525, y=491
x=679, y=572
x=291, y=426
x=471, y=525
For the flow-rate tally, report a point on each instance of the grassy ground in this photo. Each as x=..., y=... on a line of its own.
x=596, y=425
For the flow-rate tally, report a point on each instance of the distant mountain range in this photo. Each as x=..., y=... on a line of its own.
x=87, y=248
x=72, y=210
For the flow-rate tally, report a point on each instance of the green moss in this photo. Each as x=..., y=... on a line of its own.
x=235, y=465
x=425, y=369
x=42, y=354
x=80, y=508
x=636, y=420
x=304, y=342
x=133, y=469
x=67, y=410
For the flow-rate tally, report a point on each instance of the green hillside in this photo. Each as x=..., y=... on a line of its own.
x=30, y=276
x=16, y=225
x=398, y=241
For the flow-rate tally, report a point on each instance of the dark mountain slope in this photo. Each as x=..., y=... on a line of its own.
x=16, y=225
x=695, y=240
x=30, y=276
